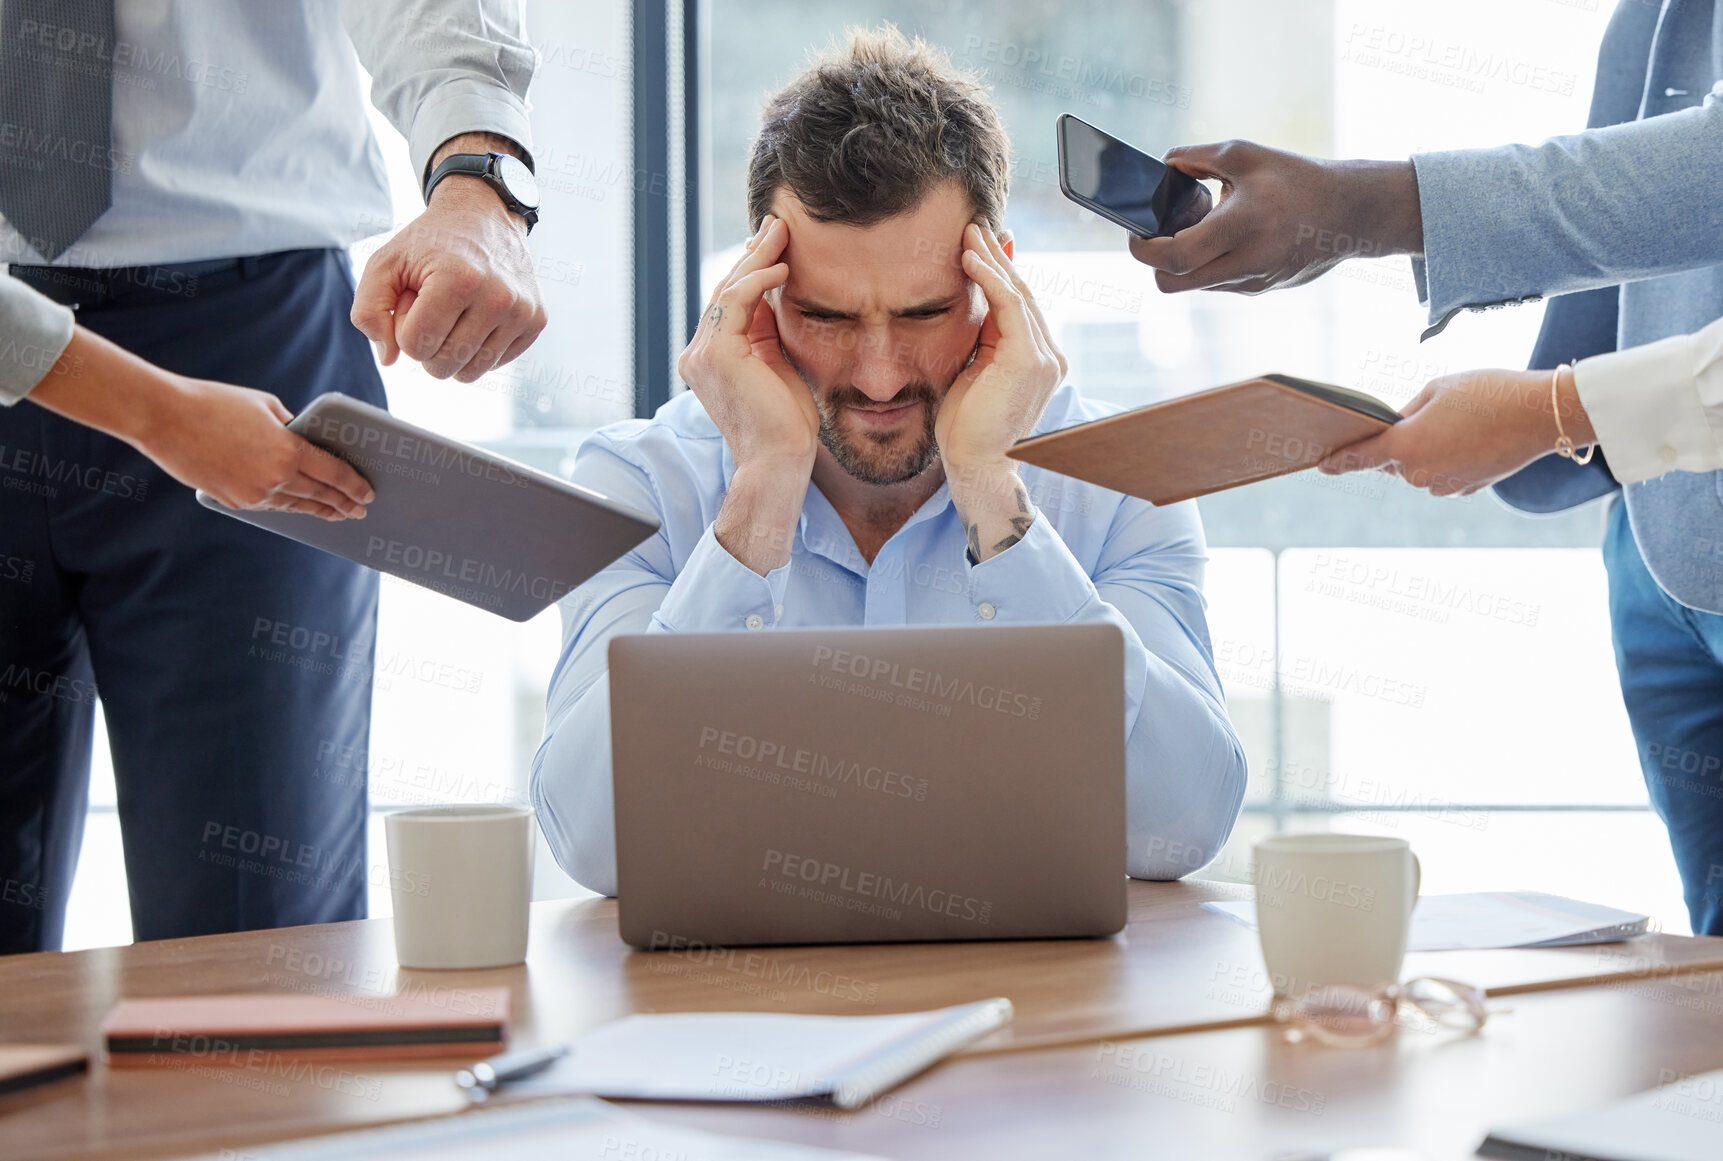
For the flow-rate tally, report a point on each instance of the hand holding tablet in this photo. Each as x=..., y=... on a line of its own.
x=454, y=518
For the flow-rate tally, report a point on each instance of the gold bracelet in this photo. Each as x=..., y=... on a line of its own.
x=1564, y=445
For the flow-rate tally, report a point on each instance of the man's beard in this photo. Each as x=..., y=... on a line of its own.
x=881, y=458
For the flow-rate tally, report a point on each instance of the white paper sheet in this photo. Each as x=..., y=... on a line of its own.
x=1486, y=919
x=1681, y=1121
x=579, y=1130
x=759, y=1056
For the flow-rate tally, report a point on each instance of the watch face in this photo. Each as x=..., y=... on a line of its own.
x=519, y=180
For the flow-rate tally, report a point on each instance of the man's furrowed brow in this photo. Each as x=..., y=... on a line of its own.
x=943, y=302
x=817, y=308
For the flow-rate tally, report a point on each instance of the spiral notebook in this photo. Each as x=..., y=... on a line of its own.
x=762, y=1056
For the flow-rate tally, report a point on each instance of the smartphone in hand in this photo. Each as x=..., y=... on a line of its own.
x=1123, y=184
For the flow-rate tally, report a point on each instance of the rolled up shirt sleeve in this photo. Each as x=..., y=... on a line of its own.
x=1659, y=407
x=440, y=68
x=34, y=331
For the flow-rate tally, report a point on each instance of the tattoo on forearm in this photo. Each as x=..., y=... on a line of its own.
x=1020, y=525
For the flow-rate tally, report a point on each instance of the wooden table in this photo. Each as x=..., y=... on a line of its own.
x=1177, y=968
x=1244, y=1094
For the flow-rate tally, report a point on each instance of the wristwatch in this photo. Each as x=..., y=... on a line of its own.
x=503, y=172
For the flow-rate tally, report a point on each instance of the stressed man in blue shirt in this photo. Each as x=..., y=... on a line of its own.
x=841, y=459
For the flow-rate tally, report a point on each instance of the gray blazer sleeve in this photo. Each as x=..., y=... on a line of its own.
x=1598, y=208
x=34, y=331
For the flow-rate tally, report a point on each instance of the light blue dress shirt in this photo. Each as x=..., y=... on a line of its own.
x=1091, y=555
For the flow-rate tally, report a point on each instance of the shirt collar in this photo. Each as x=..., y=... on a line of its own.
x=833, y=526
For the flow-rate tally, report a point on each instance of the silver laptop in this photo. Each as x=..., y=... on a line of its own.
x=455, y=518
x=869, y=785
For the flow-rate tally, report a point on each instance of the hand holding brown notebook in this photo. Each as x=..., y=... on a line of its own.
x=1197, y=444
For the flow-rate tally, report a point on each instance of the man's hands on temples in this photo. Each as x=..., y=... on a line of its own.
x=768, y=415
x=996, y=400
x=735, y=364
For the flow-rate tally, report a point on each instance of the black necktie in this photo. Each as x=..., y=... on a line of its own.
x=56, y=103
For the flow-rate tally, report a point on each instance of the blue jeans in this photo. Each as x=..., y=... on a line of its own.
x=234, y=666
x=1670, y=659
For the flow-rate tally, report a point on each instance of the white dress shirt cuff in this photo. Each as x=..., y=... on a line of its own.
x=714, y=592
x=36, y=330
x=1034, y=582
x=466, y=105
x=1659, y=407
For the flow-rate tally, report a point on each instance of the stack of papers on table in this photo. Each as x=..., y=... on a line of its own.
x=1487, y=919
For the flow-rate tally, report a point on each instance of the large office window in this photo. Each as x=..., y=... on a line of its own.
x=1394, y=663
x=1439, y=670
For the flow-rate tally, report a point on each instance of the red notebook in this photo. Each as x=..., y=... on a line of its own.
x=233, y=1029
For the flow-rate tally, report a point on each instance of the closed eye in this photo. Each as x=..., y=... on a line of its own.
x=827, y=316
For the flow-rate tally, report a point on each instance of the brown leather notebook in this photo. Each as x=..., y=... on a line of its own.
x=230, y=1029
x=27, y=1065
x=1213, y=440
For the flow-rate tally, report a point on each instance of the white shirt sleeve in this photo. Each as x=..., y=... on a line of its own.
x=34, y=331
x=1659, y=407
x=440, y=68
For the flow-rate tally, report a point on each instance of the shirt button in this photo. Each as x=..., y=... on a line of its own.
x=777, y=612
x=754, y=621
x=1666, y=454
x=986, y=610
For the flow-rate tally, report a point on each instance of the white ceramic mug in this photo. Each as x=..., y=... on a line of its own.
x=461, y=880
x=1334, y=909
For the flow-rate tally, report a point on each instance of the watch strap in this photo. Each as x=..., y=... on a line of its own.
x=471, y=164
x=482, y=166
